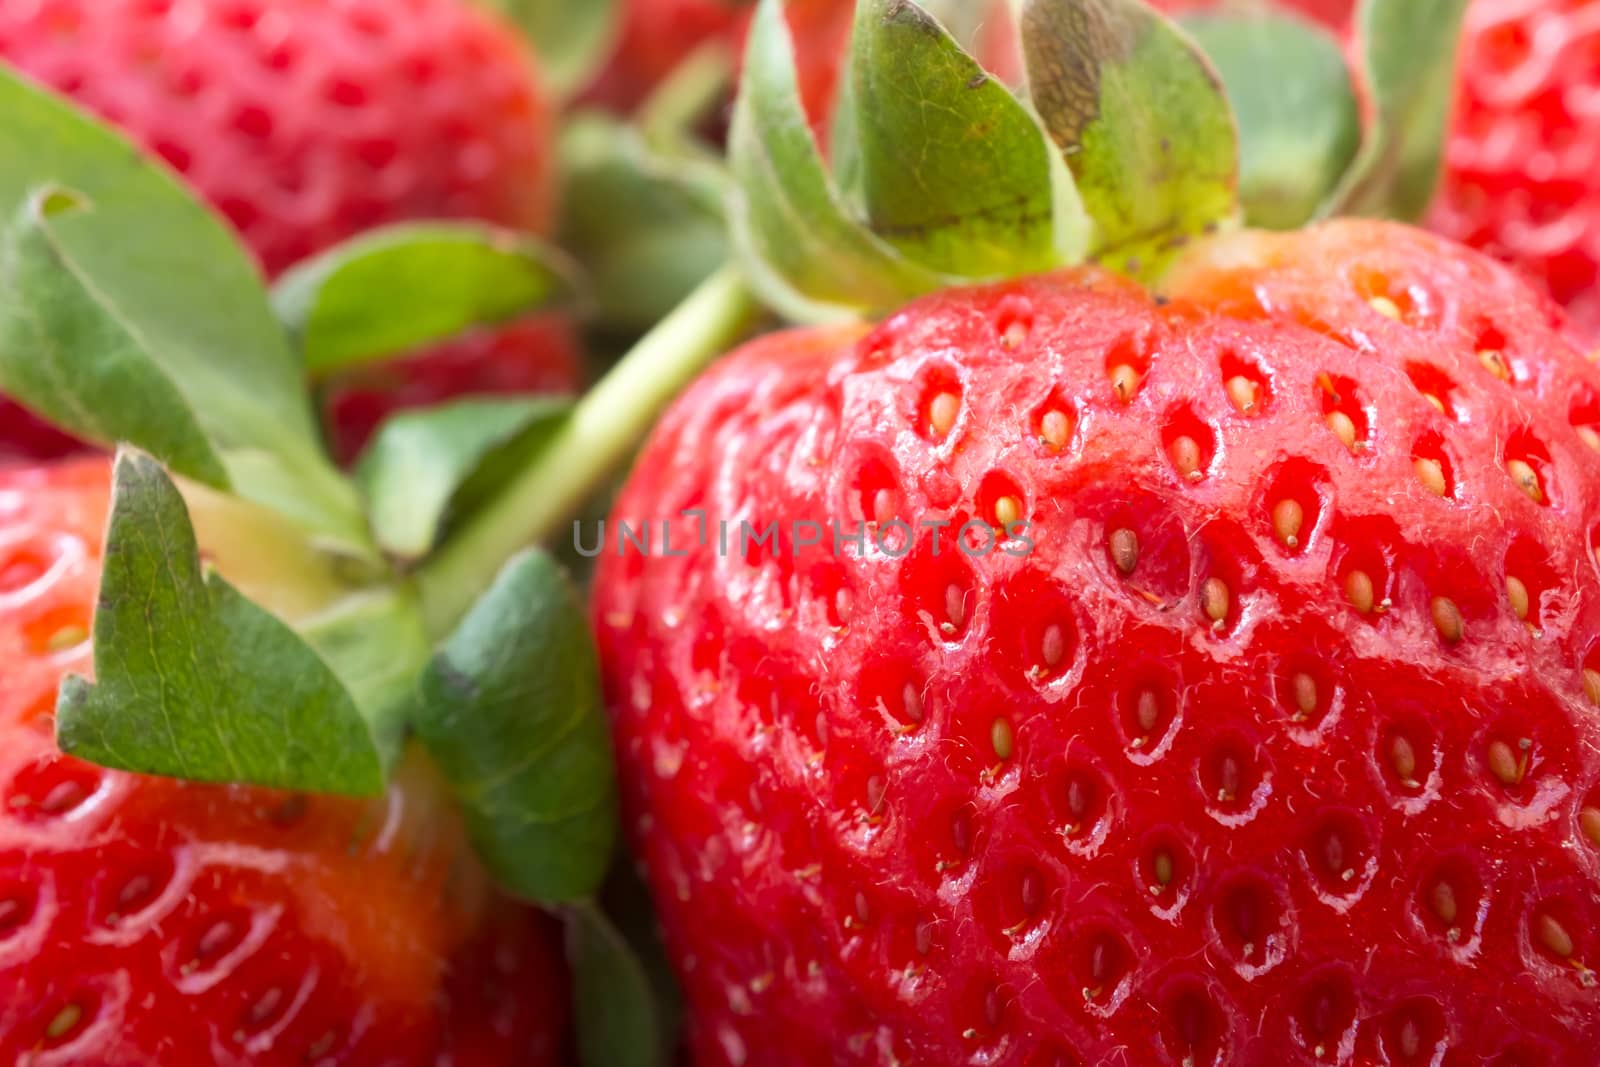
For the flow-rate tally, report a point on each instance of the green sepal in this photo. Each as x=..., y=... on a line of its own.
x=1299, y=121
x=396, y=289
x=646, y=226
x=424, y=467
x=1408, y=57
x=950, y=168
x=1141, y=118
x=510, y=711
x=801, y=250
x=194, y=681
x=129, y=312
x=619, y=1022
x=571, y=38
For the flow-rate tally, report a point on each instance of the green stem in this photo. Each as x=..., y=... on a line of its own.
x=601, y=433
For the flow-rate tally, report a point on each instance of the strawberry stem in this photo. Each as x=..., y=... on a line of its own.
x=604, y=429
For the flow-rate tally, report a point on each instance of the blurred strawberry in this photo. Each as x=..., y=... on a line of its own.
x=306, y=122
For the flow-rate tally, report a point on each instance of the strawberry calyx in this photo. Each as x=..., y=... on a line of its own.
x=1125, y=148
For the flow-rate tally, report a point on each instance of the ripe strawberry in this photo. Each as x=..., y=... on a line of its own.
x=307, y=122
x=1271, y=739
x=148, y=921
x=657, y=35
x=1523, y=174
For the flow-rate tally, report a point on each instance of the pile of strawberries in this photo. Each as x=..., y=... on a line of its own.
x=1085, y=667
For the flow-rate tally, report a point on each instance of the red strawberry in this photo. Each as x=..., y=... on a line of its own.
x=1271, y=739
x=306, y=122
x=1523, y=174
x=147, y=921
x=657, y=35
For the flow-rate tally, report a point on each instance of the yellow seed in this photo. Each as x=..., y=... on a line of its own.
x=1385, y=307
x=1215, y=599
x=1435, y=401
x=1517, y=594
x=911, y=700
x=1526, y=479
x=942, y=413
x=1125, y=550
x=1503, y=763
x=1148, y=713
x=70, y=636
x=955, y=604
x=1016, y=332
x=1305, y=694
x=1403, y=758
x=1443, y=902
x=1591, y=685
x=1287, y=518
x=1000, y=737
x=1430, y=472
x=1163, y=867
x=1055, y=428
x=1343, y=427
x=64, y=1021
x=882, y=506
x=1244, y=393
x=1590, y=436
x=1124, y=381
x=1007, y=512
x=1553, y=936
x=1589, y=823
x=1447, y=618
x=1494, y=361
x=1053, y=645
x=1185, y=454
x=1410, y=1040
x=1358, y=590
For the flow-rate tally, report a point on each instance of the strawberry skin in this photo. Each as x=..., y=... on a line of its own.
x=147, y=921
x=1523, y=172
x=306, y=122
x=1271, y=740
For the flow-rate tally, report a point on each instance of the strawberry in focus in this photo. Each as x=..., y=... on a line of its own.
x=306, y=123
x=148, y=921
x=1270, y=738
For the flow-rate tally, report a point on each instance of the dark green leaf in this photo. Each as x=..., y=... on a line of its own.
x=402, y=287
x=510, y=711
x=648, y=228
x=1143, y=123
x=1299, y=123
x=953, y=171
x=619, y=1024
x=193, y=680
x=129, y=312
x=416, y=468
x=572, y=36
x=1408, y=55
x=800, y=249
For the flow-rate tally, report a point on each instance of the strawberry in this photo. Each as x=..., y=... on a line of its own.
x=1522, y=181
x=151, y=921
x=1264, y=733
x=306, y=122
x=657, y=35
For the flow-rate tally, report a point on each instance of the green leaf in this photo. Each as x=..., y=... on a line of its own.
x=618, y=1021
x=801, y=251
x=572, y=38
x=510, y=711
x=1299, y=122
x=953, y=171
x=194, y=681
x=402, y=287
x=647, y=228
x=424, y=466
x=1408, y=55
x=129, y=312
x=1143, y=123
